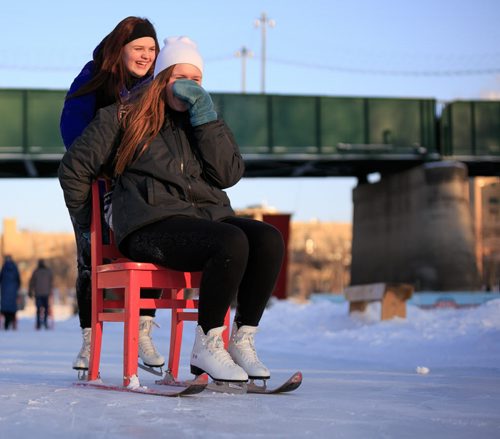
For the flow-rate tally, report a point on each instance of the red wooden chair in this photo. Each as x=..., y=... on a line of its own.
x=111, y=270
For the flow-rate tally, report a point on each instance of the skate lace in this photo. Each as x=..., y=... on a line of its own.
x=215, y=345
x=145, y=342
x=246, y=344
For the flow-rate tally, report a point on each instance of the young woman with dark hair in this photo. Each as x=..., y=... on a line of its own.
x=122, y=65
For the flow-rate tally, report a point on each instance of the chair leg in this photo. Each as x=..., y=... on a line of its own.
x=176, y=329
x=227, y=331
x=131, y=332
x=95, y=351
x=97, y=329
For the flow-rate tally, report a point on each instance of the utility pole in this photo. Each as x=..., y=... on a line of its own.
x=263, y=22
x=244, y=53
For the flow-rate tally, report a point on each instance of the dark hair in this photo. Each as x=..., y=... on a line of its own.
x=110, y=74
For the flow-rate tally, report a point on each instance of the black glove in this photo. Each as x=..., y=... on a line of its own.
x=86, y=236
x=201, y=107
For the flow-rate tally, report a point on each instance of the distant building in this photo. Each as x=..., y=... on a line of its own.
x=26, y=247
x=485, y=204
x=281, y=221
x=257, y=211
x=320, y=258
x=26, y=244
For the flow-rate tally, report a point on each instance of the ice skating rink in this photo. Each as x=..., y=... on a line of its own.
x=435, y=374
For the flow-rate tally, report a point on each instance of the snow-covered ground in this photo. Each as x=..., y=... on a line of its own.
x=360, y=380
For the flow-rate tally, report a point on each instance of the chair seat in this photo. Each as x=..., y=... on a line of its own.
x=130, y=265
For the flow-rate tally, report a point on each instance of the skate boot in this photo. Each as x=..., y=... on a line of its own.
x=209, y=356
x=242, y=351
x=147, y=351
x=81, y=362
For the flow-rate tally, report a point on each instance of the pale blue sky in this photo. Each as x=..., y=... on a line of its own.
x=425, y=49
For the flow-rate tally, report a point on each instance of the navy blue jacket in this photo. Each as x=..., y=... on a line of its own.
x=9, y=284
x=79, y=111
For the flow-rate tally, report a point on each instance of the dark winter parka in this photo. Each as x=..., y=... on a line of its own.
x=41, y=282
x=182, y=172
x=10, y=282
x=79, y=111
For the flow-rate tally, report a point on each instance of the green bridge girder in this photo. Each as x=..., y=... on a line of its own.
x=289, y=136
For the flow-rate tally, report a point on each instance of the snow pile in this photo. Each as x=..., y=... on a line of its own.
x=325, y=328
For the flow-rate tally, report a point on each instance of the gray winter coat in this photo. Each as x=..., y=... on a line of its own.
x=182, y=172
x=41, y=282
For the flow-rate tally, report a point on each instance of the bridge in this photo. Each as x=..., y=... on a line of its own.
x=413, y=226
x=290, y=136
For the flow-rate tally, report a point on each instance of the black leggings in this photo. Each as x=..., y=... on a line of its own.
x=238, y=257
x=84, y=285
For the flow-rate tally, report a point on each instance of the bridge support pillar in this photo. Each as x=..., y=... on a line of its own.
x=416, y=227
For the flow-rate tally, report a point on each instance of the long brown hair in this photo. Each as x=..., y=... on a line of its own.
x=110, y=74
x=143, y=120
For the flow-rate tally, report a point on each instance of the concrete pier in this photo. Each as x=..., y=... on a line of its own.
x=416, y=227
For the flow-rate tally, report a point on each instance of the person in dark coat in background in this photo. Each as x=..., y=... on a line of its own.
x=9, y=289
x=41, y=289
x=122, y=65
x=172, y=161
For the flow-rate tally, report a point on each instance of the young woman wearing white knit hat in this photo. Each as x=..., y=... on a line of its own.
x=174, y=159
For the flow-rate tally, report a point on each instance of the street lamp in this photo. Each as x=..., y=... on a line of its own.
x=244, y=53
x=263, y=22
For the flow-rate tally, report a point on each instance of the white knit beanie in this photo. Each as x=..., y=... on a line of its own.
x=178, y=50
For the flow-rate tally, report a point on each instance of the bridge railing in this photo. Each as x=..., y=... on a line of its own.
x=470, y=128
x=278, y=125
x=29, y=122
x=262, y=124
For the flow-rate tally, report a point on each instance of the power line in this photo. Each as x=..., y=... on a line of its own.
x=390, y=72
x=333, y=68
x=32, y=67
x=373, y=71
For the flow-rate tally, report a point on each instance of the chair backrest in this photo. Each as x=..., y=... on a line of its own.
x=103, y=248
